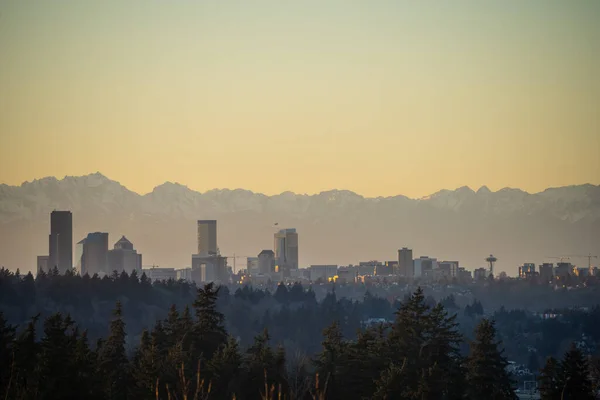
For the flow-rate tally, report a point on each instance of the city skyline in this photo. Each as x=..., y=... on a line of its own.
x=337, y=227
x=421, y=96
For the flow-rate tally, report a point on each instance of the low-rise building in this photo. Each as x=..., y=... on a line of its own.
x=322, y=272
x=547, y=272
x=527, y=270
x=42, y=263
x=562, y=270
x=448, y=269
x=252, y=266
x=160, y=274
x=184, y=274
x=480, y=274
x=347, y=274
x=424, y=266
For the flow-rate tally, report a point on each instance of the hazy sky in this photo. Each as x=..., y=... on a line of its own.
x=380, y=97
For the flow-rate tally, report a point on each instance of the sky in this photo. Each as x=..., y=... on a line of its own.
x=380, y=97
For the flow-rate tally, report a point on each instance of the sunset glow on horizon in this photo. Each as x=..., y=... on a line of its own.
x=381, y=98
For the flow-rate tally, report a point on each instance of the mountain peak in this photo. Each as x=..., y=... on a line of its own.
x=465, y=190
x=484, y=190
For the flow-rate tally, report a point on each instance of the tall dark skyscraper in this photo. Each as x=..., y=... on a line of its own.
x=207, y=237
x=405, y=263
x=61, y=241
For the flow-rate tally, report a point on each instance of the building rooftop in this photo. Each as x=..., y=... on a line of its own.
x=124, y=243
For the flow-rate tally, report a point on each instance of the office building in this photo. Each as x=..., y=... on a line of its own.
x=480, y=274
x=584, y=272
x=562, y=270
x=448, y=269
x=387, y=268
x=252, y=265
x=184, y=274
x=286, y=250
x=368, y=268
x=124, y=258
x=322, y=272
x=424, y=266
x=92, y=254
x=527, y=270
x=347, y=274
x=405, y=263
x=42, y=263
x=464, y=276
x=210, y=268
x=60, y=241
x=207, y=237
x=266, y=262
x=547, y=272
x=157, y=274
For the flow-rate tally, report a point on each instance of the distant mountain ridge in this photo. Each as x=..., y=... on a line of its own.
x=336, y=226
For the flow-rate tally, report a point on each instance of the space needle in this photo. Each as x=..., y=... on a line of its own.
x=491, y=260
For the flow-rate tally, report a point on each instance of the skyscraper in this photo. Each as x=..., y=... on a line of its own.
x=60, y=243
x=405, y=262
x=92, y=254
x=266, y=262
x=286, y=250
x=124, y=258
x=207, y=237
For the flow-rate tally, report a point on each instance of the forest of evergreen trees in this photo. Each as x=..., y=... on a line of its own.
x=191, y=353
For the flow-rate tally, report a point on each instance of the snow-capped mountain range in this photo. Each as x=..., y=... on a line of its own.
x=336, y=226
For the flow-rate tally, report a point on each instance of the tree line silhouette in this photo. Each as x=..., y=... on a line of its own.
x=191, y=353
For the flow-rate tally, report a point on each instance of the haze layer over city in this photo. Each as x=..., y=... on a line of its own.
x=330, y=199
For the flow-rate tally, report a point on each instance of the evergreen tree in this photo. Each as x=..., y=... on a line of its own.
x=225, y=369
x=426, y=341
x=393, y=384
x=329, y=361
x=146, y=369
x=575, y=376
x=88, y=382
x=7, y=336
x=362, y=364
x=265, y=370
x=550, y=380
x=209, y=330
x=486, y=366
x=171, y=326
x=56, y=362
x=113, y=364
x=25, y=356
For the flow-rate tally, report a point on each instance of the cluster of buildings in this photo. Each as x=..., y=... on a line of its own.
x=92, y=253
x=423, y=268
x=267, y=267
x=93, y=256
x=549, y=273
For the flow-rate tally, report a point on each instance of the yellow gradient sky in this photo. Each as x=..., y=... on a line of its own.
x=380, y=97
